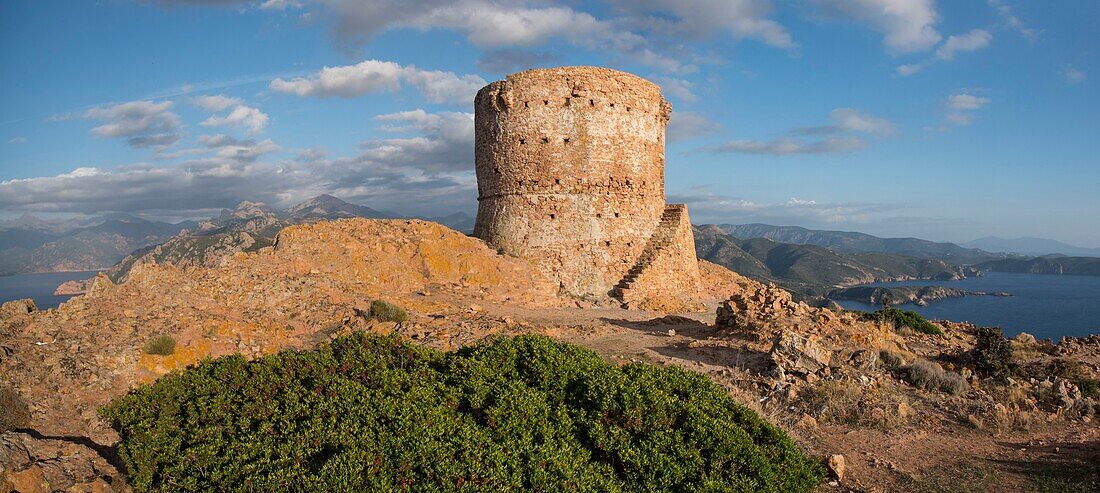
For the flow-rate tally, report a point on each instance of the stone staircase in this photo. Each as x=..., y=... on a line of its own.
x=662, y=238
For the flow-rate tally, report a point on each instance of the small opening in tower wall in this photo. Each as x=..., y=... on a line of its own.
x=496, y=170
x=566, y=140
x=598, y=215
x=557, y=181
x=522, y=141
x=552, y=216
x=612, y=105
x=607, y=243
x=546, y=102
x=591, y=102
x=545, y=140
x=567, y=101
x=616, y=214
x=525, y=104
x=628, y=109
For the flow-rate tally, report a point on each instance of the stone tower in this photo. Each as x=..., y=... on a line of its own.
x=570, y=173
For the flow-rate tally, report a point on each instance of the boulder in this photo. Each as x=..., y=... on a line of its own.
x=836, y=465
x=794, y=353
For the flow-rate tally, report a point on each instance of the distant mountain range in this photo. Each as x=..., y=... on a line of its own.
x=852, y=242
x=811, y=270
x=1031, y=246
x=29, y=244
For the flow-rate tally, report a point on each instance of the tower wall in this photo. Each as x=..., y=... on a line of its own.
x=570, y=171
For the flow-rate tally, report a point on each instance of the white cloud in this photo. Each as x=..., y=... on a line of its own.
x=1072, y=75
x=974, y=40
x=216, y=103
x=856, y=121
x=964, y=101
x=1009, y=19
x=909, y=25
x=251, y=119
x=142, y=123
x=717, y=208
x=962, y=106
x=788, y=145
x=17, y=140
x=372, y=76
x=678, y=88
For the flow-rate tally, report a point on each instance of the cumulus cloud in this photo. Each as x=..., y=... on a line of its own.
x=974, y=40
x=909, y=25
x=372, y=76
x=425, y=168
x=251, y=119
x=142, y=123
x=216, y=103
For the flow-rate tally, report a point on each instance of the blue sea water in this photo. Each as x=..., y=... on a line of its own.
x=1046, y=306
x=38, y=287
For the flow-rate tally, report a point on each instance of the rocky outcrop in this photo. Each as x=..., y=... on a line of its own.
x=73, y=288
x=798, y=354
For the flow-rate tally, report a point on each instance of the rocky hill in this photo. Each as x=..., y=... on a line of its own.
x=891, y=408
x=853, y=242
x=812, y=271
x=899, y=295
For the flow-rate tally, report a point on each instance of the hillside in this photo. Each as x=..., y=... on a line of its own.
x=852, y=242
x=1050, y=264
x=811, y=270
x=98, y=244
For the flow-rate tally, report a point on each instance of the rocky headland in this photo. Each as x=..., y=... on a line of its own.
x=899, y=295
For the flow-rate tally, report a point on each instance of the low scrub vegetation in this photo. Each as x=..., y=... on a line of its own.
x=162, y=345
x=385, y=311
x=992, y=353
x=14, y=412
x=911, y=320
x=932, y=376
x=372, y=413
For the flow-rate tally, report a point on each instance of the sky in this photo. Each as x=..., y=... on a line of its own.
x=942, y=120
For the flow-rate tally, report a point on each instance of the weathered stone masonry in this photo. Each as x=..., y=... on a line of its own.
x=570, y=172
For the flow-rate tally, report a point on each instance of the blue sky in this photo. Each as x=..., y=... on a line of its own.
x=943, y=120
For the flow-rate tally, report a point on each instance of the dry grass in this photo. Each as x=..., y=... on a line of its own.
x=163, y=345
x=928, y=375
x=848, y=402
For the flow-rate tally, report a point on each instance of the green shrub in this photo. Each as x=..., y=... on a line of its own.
x=387, y=312
x=371, y=413
x=929, y=375
x=992, y=354
x=163, y=345
x=912, y=320
x=14, y=412
x=1089, y=387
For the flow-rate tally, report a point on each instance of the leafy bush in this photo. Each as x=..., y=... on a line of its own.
x=912, y=320
x=992, y=354
x=14, y=412
x=387, y=312
x=371, y=413
x=163, y=345
x=929, y=375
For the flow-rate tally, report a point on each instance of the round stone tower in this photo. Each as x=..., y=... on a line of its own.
x=570, y=171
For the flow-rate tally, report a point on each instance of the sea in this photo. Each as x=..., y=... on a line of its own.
x=39, y=287
x=1045, y=306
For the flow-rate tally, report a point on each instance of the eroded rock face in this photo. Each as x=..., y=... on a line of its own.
x=794, y=353
x=30, y=464
x=17, y=308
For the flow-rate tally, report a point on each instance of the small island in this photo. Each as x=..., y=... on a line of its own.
x=900, y=295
